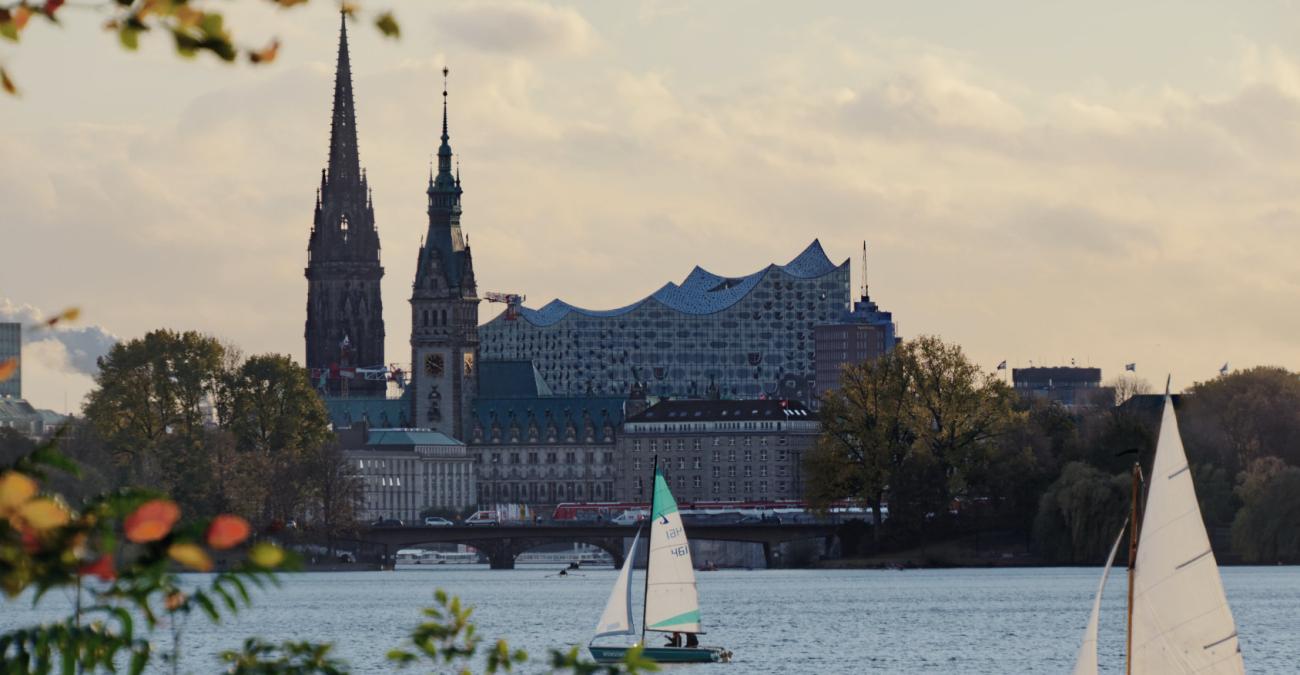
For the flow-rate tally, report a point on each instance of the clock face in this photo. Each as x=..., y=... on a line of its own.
x=434, y=365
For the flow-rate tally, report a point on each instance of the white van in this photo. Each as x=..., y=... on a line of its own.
x=483, y=518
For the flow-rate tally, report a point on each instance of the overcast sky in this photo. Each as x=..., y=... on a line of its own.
x=1105, y=182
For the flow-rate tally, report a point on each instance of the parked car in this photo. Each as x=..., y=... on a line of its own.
x=435, y=521
x=629, y=518
x=483, y=518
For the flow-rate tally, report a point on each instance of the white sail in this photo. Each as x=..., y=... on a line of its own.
x=1181, y=619
x=671, y=602
x=1086, y=662
x=617, y=617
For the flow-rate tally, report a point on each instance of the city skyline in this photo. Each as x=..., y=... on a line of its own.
x=1136, y=214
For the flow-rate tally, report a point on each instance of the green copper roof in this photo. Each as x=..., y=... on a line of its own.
x=380, y=437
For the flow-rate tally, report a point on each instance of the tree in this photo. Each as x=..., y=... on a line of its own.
x=1080, y=514
x=1267, y=528
x=151, y=407
x=279, y=426
x=193, y=25
x=336, y=492
x=1128, y=386
x=866, y=436
x=1234, y=419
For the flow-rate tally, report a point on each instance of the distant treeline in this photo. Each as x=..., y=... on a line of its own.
x=953, y=450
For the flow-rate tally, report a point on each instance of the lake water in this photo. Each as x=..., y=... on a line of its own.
x=775, y=621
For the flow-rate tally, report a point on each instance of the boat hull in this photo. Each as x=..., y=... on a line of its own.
x=663, y=654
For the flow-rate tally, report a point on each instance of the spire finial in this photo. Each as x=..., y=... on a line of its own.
x=445, y=72
x=865, y=293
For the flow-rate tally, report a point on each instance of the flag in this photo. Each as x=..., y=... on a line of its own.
x=1224, y=369
x=1131, y=367
x=1002, y=365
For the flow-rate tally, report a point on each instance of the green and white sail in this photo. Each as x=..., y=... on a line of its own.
x=1181, y=619
x=672, y=603
x=1086, y=662
x=617, y=617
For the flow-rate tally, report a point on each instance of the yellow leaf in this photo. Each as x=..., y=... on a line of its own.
x=266, y=54
x=191, y=555
x=70, y=314
x=44, y=514
x=8, y=367
x=266, y=555
x=348, y=8
x=16, y=489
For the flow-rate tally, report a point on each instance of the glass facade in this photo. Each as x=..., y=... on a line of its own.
x=736, y=337
x=11, y=341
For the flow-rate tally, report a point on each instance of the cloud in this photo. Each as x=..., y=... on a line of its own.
x=61, y=348
x=517, y=28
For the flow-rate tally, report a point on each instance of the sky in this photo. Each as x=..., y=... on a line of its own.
x=1102, y=183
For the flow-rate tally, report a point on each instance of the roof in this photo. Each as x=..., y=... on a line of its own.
x=702, y=292
x=379, y=412
x=1058, y=376
x=764, y=410
x=542, y=409
x=510, y=379
x=382, y=437
x=17, y=409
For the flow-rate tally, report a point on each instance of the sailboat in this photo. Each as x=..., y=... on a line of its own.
x=671, y=602
x=1178, y=615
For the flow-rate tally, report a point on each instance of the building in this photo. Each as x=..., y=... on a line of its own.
x=710, y=336
x=1070, y=386
x=444, y=307
x=11, y=347
x=19, y=415
x=864, y=334
x=345, y=314
x=533, y=448
x=405, y=471
x=713, y=450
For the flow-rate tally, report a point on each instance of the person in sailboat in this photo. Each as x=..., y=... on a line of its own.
x=674, y=640
x=692, y=640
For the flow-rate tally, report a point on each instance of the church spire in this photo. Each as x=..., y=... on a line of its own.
x=445, y=180
x=344, y=163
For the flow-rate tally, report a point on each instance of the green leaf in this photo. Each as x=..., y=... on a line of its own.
x=129, y=36
x=388, y=25
x=9, y=30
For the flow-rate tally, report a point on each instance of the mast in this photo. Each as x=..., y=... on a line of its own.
x=645, y=605
x=1132, y=564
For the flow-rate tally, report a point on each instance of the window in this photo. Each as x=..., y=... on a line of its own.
x=591, y=457
x=762, y=470
x=514, y=458
x=731, y=455
x=654, y=446
x=749, y=455
x=695, y=445
x=717, y=456
x=716, y=487
x=681, y=445
x=695, y=482
x=550, y=458
x=747, y=439
x=780, y=486
x=609, y=458
x=695, y=462
x=637, y=481
x=762, y=440
x=532, y=458
x=681, y=481
x=731, y=487
x=749, y=471
x=780, y=470
x=780, y=455
x=636, y=465
x=762, y=455
x=716, y=441
x=496, y=458
x=570, y=457
x=681, y=462
x=731, y=471
x=749, y=489
x=762, y=489
x=636, y=445
x=731, y=441
x=717, y=471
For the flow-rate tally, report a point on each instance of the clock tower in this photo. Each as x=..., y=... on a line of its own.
x=444, y=307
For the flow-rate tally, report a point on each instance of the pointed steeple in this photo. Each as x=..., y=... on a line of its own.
x=445, y=181
x=344, y=163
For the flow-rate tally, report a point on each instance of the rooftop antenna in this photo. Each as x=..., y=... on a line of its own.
x=865, y=295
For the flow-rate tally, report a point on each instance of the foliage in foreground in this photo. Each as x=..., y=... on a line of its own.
x=195, y=26
x=119, y=555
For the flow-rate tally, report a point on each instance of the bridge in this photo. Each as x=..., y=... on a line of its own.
x=502, y=543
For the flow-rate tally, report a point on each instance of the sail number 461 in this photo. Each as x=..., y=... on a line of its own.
x=680, y=551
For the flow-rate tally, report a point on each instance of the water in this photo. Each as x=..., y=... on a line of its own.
x=776, y=621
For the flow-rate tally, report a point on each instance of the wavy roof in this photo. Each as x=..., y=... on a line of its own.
x=702, y=292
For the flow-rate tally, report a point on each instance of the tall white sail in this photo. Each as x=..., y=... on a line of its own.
x=1181, y=619
x=671, y=602
x=1086, y=662
x=617, y=617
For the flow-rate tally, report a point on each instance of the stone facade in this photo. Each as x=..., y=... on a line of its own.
x=345, y=312
x=714, y=450
x=405, y=471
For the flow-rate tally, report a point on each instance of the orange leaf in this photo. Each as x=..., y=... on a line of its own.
x=8, y=367
x=7, y=83
x=70, y=314
x=152, y=521
x=102, y=568
x=174, y=600
x=20, y=15
x=16, y=489
x=266, y=54
x=44, y=514
x=227, y=531
x=191, y=555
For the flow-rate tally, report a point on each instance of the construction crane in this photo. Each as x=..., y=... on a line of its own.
x=513, y=301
